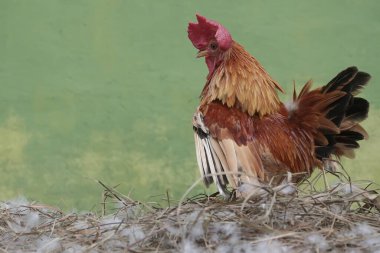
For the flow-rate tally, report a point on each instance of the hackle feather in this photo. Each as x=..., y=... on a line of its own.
x=241, y=81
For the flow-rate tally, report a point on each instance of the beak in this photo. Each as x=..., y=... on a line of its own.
x=202, y=53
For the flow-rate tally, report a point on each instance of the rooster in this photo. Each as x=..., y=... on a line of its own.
x=244, y=134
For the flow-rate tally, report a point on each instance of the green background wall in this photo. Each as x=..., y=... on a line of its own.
x=105, y=90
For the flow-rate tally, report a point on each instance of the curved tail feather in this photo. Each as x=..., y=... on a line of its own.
x=333, y=113
x=347, y=113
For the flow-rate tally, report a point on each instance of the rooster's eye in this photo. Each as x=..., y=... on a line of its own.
x=213, y=46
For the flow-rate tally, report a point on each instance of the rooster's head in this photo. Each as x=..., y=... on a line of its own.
x=211, y=39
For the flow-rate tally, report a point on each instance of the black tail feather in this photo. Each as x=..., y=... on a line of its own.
x=358, y=83
x=338, y=109
x=357, y=110
x=340, y=80
x=351, y=135
x=347, y=109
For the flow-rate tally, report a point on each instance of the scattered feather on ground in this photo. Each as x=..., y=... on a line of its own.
x=342, y=218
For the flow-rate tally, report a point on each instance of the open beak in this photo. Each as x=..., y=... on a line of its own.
x=202, y=53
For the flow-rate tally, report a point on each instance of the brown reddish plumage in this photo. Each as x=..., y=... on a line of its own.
x=240, y=79
x=291, y=139
x=245, y=135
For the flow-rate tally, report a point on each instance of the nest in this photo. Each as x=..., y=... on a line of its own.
x=343, y=217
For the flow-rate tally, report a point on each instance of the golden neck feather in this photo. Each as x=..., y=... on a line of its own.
x=241, y=81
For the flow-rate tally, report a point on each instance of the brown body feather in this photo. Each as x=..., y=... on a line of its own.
x=281, y=144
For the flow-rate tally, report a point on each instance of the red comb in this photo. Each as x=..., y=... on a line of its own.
x=205, y=30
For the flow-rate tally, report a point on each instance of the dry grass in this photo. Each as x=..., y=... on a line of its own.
x=344, y=217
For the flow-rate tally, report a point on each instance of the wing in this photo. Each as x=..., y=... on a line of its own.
x=248, y=149
x=211, y=160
